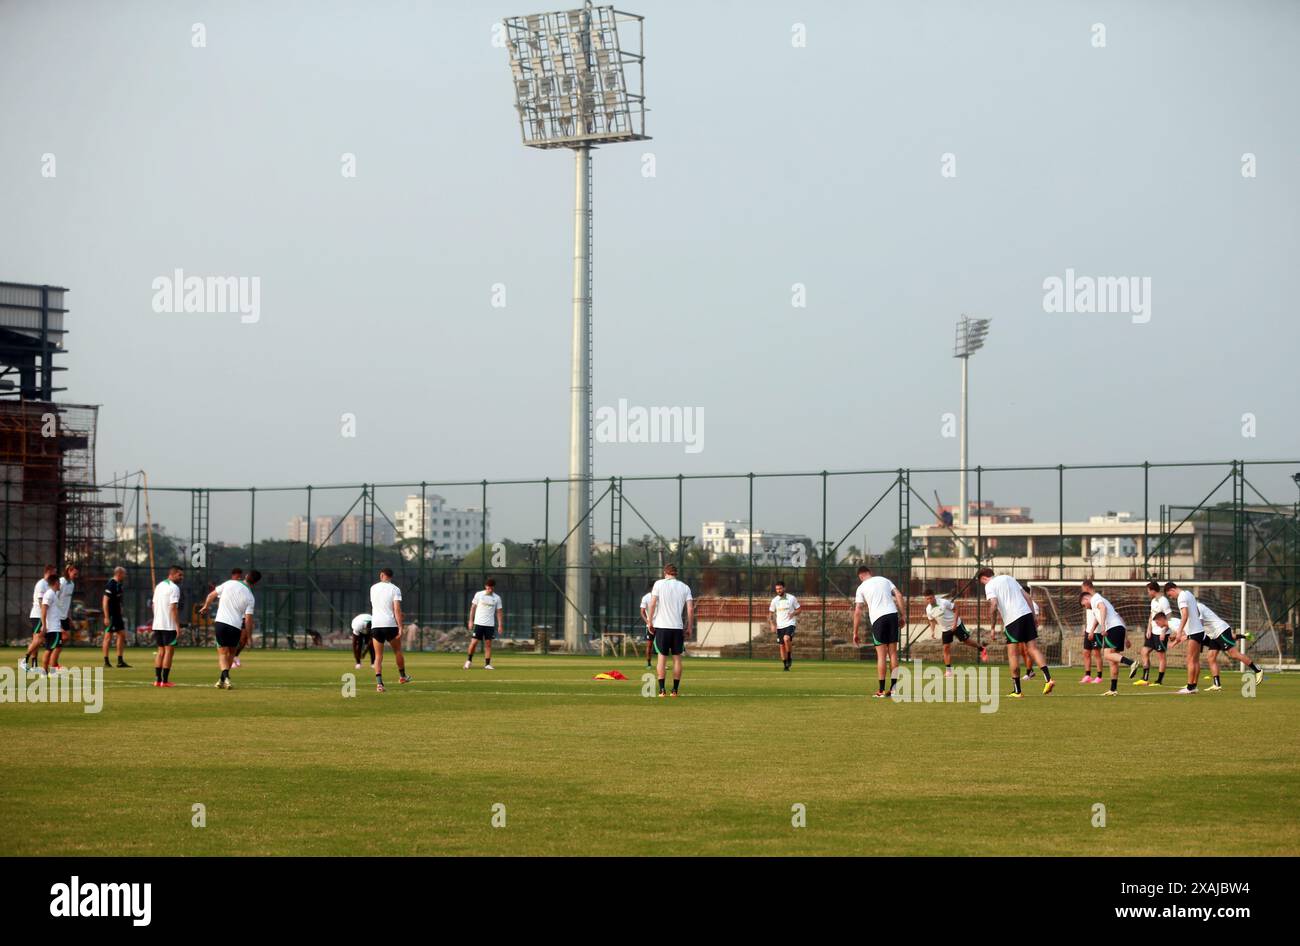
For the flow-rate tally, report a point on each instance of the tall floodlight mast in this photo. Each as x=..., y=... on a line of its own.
x=970, y=339
x=579, y=80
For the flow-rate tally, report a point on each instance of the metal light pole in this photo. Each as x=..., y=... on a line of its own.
x=579, y=83
x=970, y=339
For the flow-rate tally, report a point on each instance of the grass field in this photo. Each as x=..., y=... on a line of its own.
x=284, y=764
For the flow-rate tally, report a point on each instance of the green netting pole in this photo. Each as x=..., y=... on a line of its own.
x=751, y=566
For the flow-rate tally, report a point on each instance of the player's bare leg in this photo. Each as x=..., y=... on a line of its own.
x=1193, y=666
x=660, y=665
x=1212, y=657
x=1029, y=667
x=882, y=659
x=225, y=658
x=396, y=644
x=677, y=672
x=379, y=666
x=487, y=652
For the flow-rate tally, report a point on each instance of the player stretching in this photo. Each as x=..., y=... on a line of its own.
x=1038, y=619
x=668, y=599
x=1012, y=606
x=1112, y=637
x=114, y=622
x=1219, y=639
x=1155, y=641
x=237, y=574
x=883, y=603
x=649, y=633
x=487, y=617
x=166, y=624
x=51, y=626
x=781, y=618
x=941, y=614
x=234, y=622
x=361, y=639
x=386, y=626
x=30, y=660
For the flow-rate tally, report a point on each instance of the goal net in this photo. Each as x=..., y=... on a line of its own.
x=1237, y=602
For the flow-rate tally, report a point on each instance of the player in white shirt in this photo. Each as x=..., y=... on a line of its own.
x=31, y=660
x=70, y=576
x=883, y=603
x=1091, y=646
x=361, y=639
x=1113, y=635
x=1190, y=629
x=781, y=618
x=942, y=614
x=1024, y=648
x=234, y=621
x=668, y=599
x=649, y=633
x=1011, y=606
x=386, y=626
x=166, y=624
x=1217, y=638
x=1155, y=641
x=487, y=617
x=51, y=626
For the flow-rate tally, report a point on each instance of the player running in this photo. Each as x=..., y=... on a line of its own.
x=1113, y=637
x=649, y=633
x=487, y=618
x=361, y=639
x=883, y=603
x=114, y=622
x=940, y=613
x=1155, y=641
x=234, y=621
x=781, y=618
x=1011, y=605
x=386, y=626
x=668, y=599
x=166, y=624
x=30, y=660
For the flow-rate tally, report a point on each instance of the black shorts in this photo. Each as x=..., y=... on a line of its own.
x=1157, y=643
x=1198, y=638
x=164, y=638
x=884, y=629
x=785, y=632
x=53, y=639
x=670, y=640
x=484, y=632
x=227, y=634
x=115, y=623
x=1022, y=630
x=383, y=634
x=1224, y=641
x=1115, y=638
x=36, y=626
x=958, y=632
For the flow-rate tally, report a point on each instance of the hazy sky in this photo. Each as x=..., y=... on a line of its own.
x=775, y=164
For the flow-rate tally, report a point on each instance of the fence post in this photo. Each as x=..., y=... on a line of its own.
x=1060, y=521
x=822, y=557
x=751, y=566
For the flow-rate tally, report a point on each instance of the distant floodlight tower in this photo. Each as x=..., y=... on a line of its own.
x=579, y=84
x=970, y=339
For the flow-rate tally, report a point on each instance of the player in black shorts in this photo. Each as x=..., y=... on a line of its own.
x=114, y=622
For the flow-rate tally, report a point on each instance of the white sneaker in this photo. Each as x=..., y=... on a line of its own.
x=466, y=667
x=947, y=673
x=237, y=663
x=1214, y=686
x=357, y=667
x=488, y=667
x=1185, y=690
x=22, y=664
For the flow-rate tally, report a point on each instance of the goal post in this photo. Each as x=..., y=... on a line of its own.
x=1239, y=603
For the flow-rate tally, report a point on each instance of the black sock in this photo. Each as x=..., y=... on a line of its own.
x=1015, y=682
x=487, y=661
x=379, y=678
x=1216, y=680
x=157, y=674
x=947, y=665
x=1047, y=674
x=1146, y=673
x=1126, y=661
x=1114, y=682
x=661, y=684
x=1160, y=678
x=1191, y=686
x=225, y=675
x=892, y=681
x=167, y=672
x=880, y=685
x=677, y=682
x=1253, y=668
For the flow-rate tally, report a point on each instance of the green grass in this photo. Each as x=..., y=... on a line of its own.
x=285, y=765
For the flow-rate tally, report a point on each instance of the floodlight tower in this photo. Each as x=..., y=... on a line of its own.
x=970, y=339
x=579, y=83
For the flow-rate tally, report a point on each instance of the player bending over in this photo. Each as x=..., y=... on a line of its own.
x=781, y=618
x=1011, y=605
x=1113, y=637
x=883, y=603
x=940, y=613
x=361, y=640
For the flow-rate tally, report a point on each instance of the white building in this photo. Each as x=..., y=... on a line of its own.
x=1118, y=546
x=454, y=532
x=734, y=537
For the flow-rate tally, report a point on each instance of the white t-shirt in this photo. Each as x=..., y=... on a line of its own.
x=1005, y=590
x=1214, y=625
x=1159, y=605
x=383, y=594
x=645, y=601
x=360, y=624
x=671, y=596
x=38, y=593
x=942, y=613
x=53, y=616
x=65, y=596
x=1090, y=626
x=1107, y=616
x=165, y=595
x=784, y=609
x=236, y=601
x=485, y=608
x=877, y=593
x=1188, y=600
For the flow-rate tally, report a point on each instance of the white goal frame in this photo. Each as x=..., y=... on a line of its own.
x=1240, y=622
